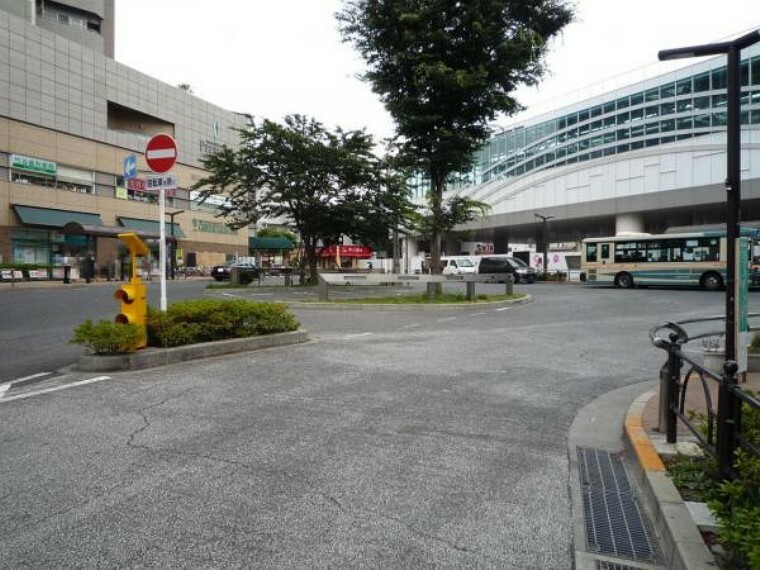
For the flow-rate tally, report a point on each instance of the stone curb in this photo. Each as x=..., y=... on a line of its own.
x=152, y=357
x=402, y=307
x=681, y=541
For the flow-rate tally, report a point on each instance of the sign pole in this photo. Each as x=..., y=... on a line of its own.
x=161, y=155
x=162, y=243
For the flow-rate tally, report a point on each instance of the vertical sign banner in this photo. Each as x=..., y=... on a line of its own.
x=741, y=325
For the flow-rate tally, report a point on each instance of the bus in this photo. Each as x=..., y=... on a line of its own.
x=696, y=258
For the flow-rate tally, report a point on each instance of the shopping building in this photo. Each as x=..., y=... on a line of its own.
x=641, y=158
x=69, y=117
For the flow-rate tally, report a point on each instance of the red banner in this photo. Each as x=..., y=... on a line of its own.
x=359, y=251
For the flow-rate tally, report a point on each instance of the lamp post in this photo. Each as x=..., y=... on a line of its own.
x=172, y=249
x=728, y=405
x=545, y=240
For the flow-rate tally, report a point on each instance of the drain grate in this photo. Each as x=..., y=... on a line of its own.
x=615, y=523
x=603, y=565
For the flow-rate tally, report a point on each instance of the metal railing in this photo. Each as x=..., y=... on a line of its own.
x=721, y=433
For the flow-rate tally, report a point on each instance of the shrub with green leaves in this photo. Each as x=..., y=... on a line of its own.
x=106, y=337
x=737, y=503
x=206, y=320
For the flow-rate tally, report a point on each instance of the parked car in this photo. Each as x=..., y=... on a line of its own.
x=248, y=271
x=457, y=266
x=523, y=272
x=496, y=265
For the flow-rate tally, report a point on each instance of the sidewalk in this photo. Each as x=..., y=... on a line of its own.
x=695, y=400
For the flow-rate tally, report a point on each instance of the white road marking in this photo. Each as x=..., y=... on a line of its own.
x=476, y=314
x=55, y=389
x=503, y=309
x=5, y=386
x=357, y=335
x=410, y=326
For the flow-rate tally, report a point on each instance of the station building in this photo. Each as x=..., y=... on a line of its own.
x=69, y=116
x=641, y=158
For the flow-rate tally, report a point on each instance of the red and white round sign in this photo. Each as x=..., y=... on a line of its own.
x=161, y=153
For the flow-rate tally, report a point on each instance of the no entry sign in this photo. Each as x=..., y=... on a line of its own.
x=161, y=153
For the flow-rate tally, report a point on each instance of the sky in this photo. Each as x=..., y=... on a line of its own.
x=272, y=58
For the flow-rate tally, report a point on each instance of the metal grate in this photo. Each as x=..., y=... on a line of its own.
x=603, y=565
x=614, y=520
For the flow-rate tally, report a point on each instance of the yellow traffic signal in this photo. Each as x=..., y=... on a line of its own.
x=134, y=307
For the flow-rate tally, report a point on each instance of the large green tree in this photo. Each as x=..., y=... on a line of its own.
x=327, y=184
x=445, y=69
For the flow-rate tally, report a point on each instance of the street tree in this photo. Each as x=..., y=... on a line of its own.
x=445, y=69
x=322, y=182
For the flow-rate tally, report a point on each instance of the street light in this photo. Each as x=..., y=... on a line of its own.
x=545, y=240
x=727, y=403
x=173, y=258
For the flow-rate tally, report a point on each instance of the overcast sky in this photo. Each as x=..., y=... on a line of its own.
x=276, y=57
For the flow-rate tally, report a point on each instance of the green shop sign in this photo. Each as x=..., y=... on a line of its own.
x=212, y=227
x=33, y=164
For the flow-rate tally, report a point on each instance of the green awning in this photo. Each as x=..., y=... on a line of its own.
x=269, y=243
x=49, y=218
x=151, y=226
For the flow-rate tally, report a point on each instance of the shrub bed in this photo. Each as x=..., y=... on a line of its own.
x=736, y=504
x=188, y=322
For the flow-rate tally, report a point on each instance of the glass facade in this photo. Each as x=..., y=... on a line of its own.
x=676, y=109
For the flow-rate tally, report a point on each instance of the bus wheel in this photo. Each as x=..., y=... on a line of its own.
x=712, y=281
x=624, y=281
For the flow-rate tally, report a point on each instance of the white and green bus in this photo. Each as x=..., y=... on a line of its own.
x=679, y=259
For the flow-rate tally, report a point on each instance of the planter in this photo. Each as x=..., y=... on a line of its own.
x=713, y=361
x=151, y=357
x=753, y=362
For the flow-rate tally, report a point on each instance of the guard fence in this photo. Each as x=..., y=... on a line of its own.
x=721, y=435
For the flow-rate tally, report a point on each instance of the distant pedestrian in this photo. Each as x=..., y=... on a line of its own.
x=369, y=265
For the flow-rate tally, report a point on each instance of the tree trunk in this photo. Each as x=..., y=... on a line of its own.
x=396, y=252
x=436, y=201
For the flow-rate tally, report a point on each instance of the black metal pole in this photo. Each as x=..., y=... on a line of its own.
x=726, y=436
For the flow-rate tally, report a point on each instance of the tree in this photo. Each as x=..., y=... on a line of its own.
x=326, y=183
x=444, y=69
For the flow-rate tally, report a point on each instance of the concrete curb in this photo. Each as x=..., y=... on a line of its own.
x=402, y=307
x=152, y=357
x=681, y=540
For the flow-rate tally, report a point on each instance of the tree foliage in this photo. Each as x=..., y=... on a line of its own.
x=444, y=69
x=327, y=184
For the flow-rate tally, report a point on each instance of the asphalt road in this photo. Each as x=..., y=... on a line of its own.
x=393, y=440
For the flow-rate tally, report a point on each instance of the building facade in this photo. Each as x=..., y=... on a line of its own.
x=642, y=158
x=69, y=117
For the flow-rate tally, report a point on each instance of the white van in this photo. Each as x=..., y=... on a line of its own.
x=457, y=265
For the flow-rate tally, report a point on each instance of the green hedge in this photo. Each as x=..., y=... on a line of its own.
x=107, y=337
x=206, y=320
x=188, y=322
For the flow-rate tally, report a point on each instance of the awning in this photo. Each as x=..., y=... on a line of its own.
x=358, y=251
x=105, y=231
x=150, y=226
x=269, y=243
x=49, y=218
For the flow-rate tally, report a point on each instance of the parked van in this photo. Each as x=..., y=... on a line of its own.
x=457, y=265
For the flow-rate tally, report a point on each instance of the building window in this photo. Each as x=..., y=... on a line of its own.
x=702, y=82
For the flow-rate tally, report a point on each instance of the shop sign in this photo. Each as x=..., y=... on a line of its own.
x=212, y=227
x=33, y=164
x=152, y=184
x=121, y=193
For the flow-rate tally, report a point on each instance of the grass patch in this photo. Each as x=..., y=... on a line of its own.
x=422, y=299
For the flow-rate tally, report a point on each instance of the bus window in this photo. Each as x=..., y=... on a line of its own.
x=605, y=251
x=630, y=252
x=591, y=252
